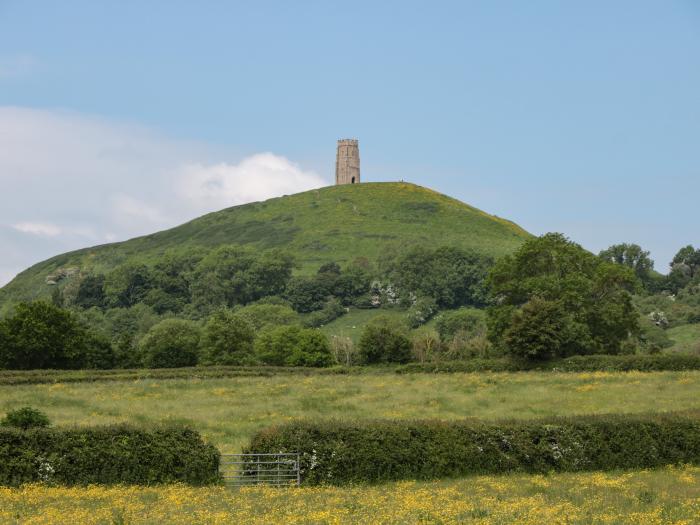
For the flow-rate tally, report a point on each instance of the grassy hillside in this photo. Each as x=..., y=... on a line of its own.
x=337, y=223
x=685, y=337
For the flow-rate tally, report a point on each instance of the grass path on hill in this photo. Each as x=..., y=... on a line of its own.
x=228, y=411
x=669, y=495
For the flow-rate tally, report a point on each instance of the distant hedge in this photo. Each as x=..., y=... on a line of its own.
x=335, y=452
x=589, y=363
x=106, y=455
x=579, y=363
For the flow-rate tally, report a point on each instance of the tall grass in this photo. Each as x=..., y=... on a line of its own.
x=228, y=411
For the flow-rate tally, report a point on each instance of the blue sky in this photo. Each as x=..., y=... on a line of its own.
x=579, y=117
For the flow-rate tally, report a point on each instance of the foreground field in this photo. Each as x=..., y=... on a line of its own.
x=646, y=497
x=229, y=411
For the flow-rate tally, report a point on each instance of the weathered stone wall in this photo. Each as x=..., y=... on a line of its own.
x=347, y=162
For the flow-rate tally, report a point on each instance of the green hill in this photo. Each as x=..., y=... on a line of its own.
x=337, y=223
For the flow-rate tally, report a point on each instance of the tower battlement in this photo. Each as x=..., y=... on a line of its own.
x=347, y=162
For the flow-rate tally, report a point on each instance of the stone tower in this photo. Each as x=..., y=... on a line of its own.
x=347, y=162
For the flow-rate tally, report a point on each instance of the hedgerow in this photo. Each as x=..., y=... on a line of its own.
x=337, y=452
x=106, y=455
x=579, y=363
x=590, y=363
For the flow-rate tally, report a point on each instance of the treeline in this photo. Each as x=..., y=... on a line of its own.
x=232, y=306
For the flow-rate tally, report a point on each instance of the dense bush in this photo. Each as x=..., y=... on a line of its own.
x=384, y=341
x=25, y=418
x=469, y=321
x=336, y=452
x=106, y=455
x=172, y=343
x=293, y=346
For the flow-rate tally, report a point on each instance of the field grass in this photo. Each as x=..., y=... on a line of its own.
x=686, y=338
x=669, y=495
x=337, y=223
x=228, y=411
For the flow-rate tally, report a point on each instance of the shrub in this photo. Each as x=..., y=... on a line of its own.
x=384, y=341
x=293, y=346
x=425, y=345
x=227, y=339
x=106, y=455
x=468, y=321
x=421, y=311
x=172, y=343
x=343, y=350
x=25, y=418
x=338, y=452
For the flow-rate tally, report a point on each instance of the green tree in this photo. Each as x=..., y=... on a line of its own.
x=127, y=284
x=384, y=340
x=91, y=292
x=685, y=266
x=543, y=329
x=262, y=315
x=452, y=276
x=234, y=275
x=227, y=339
x=42, y=335
x=172, y=343
x=632, y=256
x=593, y=295
x=307, y=294
x=293, y=346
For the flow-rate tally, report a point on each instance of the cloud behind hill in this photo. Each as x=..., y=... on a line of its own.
x=69, y=180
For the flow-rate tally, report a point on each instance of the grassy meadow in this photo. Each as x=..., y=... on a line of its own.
x=228, y=411
x=670, y=495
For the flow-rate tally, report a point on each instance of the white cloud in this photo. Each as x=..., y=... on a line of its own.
x=38, y=228
x=255, y=178
x=69, y=180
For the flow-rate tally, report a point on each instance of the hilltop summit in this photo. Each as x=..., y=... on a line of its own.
x=336, y=223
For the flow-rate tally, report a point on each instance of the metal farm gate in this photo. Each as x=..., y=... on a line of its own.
x=278, y=470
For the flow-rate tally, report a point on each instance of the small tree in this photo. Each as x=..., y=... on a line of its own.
x=172, y=343
x=385, y=341
x=227, y=339
x=25, y=418
x=343, y=350
x=425, y=345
